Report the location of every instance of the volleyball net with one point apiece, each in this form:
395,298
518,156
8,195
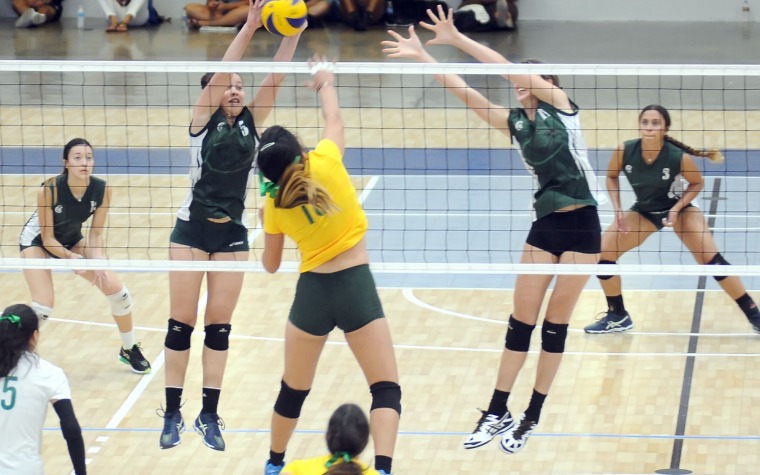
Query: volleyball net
443,191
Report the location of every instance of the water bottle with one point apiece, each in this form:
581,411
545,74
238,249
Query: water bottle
80,17
183,20
745,19
389,16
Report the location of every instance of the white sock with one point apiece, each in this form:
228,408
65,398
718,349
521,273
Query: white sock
128,339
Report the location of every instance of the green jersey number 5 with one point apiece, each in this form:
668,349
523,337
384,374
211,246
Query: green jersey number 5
8,398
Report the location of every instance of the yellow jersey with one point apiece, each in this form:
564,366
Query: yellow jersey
316,466
320,237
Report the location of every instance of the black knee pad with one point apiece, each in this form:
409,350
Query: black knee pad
718,260
178,336
290,401
518,335
218,336
605,277
553,336
386,394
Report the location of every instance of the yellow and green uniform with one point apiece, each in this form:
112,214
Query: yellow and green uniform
321,237
347,298
316,466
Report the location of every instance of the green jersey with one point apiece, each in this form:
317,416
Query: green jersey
658,185
554,151
221,167
69,212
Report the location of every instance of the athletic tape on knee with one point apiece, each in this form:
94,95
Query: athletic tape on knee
290,401
718,260
605,277
121,302
386,394
178,336
518,335
218,336
43,312
553,336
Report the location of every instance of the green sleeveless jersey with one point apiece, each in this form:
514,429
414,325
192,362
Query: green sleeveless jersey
659,185
554,151
69,213
221,166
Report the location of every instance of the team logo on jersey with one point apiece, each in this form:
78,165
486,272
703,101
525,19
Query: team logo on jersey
59,209
628,169
93,206
519,125
220,126
243,129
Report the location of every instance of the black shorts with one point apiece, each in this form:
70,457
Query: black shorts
569,231
656,217
37,242
210,237
347,299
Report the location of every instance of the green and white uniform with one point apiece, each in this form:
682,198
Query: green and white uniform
554,151
69,213
221,166
659,185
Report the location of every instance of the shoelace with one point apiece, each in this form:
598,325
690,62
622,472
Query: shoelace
525,426
161,412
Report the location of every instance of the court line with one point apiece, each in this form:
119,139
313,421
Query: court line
408,293
127,405
688,372
198,334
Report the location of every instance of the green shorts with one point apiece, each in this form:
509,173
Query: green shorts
347,299
656,217
210,237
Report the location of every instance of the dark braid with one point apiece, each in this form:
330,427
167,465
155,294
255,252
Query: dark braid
712,154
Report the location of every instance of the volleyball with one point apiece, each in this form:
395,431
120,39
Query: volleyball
284,17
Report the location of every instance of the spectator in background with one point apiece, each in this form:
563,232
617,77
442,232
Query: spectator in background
216,13
36,12
359,14
123,13
485,15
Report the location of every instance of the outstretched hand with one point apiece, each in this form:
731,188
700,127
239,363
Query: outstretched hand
409,48
254,13
321,72
442,24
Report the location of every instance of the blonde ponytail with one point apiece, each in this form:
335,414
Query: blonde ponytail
297,189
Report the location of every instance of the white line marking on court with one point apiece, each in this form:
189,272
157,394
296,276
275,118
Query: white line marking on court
93,450
145,380
464,349
408,293
101,439
368,188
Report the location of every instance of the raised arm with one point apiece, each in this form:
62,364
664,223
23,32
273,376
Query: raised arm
263,101
211,95
442,24
411,48
323,83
